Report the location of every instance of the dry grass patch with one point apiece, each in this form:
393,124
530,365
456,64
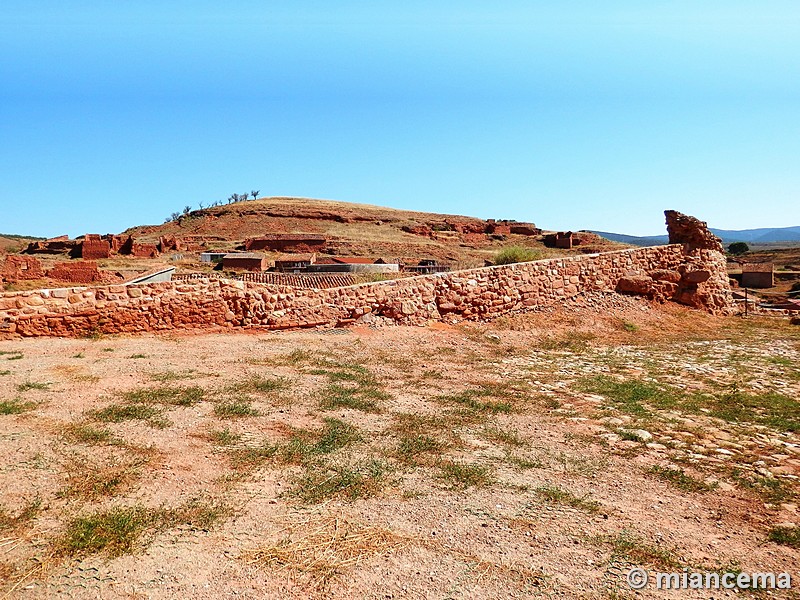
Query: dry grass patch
14,521
257,384
89,479
321,549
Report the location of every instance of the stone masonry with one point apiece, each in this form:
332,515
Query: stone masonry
482,293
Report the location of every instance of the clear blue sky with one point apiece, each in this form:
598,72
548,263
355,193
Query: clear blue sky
570,114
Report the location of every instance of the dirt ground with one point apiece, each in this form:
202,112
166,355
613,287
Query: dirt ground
542,455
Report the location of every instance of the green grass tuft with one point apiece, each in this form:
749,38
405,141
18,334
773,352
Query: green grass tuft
679,479
630,547
321,481
258,384
172,396
86,434
168,376
32,385
119,530
117,413
472,402
224,437
15,407
459,475
557,495
414,449
235,408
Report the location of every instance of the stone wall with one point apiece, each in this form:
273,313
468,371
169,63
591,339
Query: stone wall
482,293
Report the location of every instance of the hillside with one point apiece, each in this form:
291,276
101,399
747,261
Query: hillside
14,243
761,236
351,229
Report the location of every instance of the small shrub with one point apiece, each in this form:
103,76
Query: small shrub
516,254
630,327
737,248
786,536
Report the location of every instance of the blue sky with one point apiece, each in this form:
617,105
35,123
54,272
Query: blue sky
573,115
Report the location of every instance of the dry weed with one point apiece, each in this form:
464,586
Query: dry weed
321,548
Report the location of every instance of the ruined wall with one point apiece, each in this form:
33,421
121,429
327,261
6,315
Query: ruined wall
20,268
81,271
94,247
471,294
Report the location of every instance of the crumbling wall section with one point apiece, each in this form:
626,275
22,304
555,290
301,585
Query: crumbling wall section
21,268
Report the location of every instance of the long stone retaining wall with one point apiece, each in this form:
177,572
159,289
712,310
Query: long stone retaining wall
689,275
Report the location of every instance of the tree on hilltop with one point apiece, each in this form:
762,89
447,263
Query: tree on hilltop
254,193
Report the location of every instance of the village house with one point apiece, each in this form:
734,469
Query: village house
244,261
758,275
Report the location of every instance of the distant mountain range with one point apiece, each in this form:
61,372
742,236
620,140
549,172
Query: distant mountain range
767,235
